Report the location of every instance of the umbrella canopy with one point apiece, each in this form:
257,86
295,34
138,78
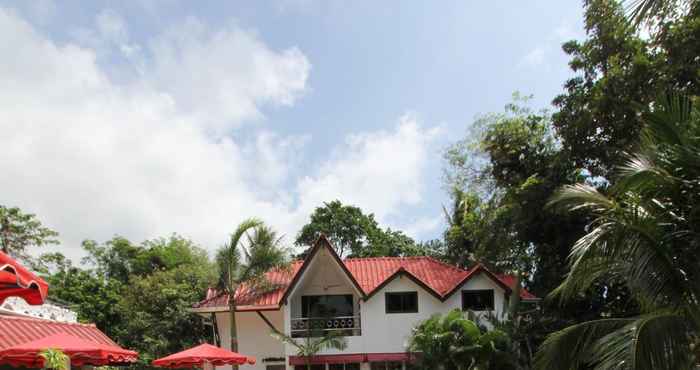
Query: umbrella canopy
203,353
17,281
80,351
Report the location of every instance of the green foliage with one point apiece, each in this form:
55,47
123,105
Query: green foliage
54,359
138,294
157,320
646,233
19,230
503,174
451,341
355,234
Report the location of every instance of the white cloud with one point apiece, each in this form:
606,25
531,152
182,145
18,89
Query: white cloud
204,71
534,57
423,226
156,154
379,171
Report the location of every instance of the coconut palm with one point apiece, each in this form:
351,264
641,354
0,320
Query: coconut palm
252,250
641,11
645,231
54,359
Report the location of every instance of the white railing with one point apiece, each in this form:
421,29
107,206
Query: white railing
317,326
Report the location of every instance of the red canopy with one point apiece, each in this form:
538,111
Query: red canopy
15,280
80,351
203,353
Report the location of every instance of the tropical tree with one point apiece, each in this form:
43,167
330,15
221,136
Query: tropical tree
54,359
356,234
645,232
312,343
452,341
253,250
19,230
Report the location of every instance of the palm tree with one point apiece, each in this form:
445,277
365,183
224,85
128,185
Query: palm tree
646,232
455,342
55,359
312,343
641,11
246,261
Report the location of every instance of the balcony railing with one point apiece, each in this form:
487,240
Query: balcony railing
317,326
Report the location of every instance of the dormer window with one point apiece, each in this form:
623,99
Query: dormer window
478,300
401,302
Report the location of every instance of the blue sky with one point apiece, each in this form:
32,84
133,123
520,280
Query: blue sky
146,118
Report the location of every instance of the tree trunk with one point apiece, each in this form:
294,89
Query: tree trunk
233,329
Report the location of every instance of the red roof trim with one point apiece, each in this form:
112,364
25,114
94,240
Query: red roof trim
403,271
321,242
329,359
473,272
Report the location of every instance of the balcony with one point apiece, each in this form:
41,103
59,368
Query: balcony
317,326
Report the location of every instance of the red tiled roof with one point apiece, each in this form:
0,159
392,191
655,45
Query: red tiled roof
370,273
19,330
510,281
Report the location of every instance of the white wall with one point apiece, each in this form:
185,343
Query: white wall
253,336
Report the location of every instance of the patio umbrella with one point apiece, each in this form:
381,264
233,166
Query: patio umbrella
17,281
80,351
201,355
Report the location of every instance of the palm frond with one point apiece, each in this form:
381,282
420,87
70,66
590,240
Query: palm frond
570,348
657,341
571,198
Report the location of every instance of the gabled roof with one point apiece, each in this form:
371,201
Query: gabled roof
18,330
369,275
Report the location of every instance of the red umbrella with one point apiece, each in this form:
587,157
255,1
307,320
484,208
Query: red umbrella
203,354
80,351
15,280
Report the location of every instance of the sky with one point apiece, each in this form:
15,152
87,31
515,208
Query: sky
147,118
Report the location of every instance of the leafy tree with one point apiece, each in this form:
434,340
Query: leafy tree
156,311
141,298
451,341
19,230
356,234
503,174
346,227
240,263
94,298
646,232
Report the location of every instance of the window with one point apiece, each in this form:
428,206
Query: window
477,300
401,302
321,306
275,367
393,365
352,366
313,367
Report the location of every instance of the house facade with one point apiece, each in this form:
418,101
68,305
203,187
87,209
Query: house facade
373,302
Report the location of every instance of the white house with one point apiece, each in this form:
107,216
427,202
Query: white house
374,302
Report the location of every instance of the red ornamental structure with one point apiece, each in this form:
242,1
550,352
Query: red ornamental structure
80,351
201,355
17,281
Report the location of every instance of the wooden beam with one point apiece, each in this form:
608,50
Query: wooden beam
264,318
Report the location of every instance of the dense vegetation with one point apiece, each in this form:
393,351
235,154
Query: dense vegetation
593,202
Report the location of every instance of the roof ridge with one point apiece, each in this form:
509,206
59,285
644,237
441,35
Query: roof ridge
435,260
24,318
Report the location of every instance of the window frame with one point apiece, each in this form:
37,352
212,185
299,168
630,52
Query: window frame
400,294
305,308
479,291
